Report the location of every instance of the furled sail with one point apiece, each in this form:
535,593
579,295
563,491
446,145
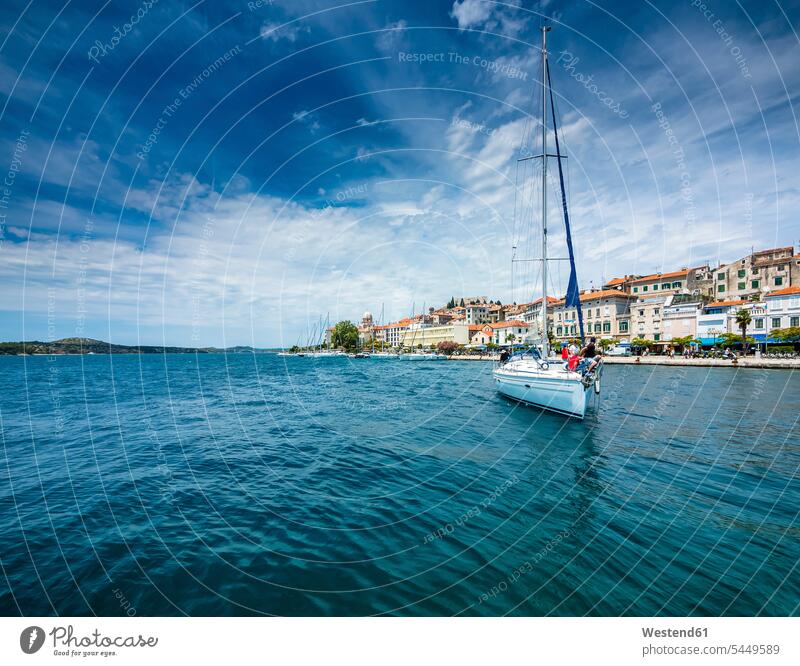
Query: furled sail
573,296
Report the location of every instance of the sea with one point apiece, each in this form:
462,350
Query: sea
250,484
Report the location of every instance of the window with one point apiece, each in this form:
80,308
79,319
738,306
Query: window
755,270
665,285
657,337
759,323
572,329
676,285
597,312
636,290
776,322
644,288
589,313
641,313
606,327
720,276
656,311
754,284
794,321
623,327
781,267
559,330
721,287
778,280
741,272
741,285
597,327
655,287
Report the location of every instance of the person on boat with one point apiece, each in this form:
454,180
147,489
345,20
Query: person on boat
573,363
590,357
504,356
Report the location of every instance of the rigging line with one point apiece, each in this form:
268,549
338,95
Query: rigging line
573,293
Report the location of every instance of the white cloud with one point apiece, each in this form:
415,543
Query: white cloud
307,118
278,31
471,13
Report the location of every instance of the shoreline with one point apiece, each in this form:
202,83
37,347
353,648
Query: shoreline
749,362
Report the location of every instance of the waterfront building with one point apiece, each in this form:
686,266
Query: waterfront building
394,332
719,317
508,333
646,317
427,336
480,334
757,274
604,316
782,308
680,316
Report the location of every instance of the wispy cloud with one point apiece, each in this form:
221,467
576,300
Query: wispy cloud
282,31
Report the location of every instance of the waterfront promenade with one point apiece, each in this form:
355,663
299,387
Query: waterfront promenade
748,362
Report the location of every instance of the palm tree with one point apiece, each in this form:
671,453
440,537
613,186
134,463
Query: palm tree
743,320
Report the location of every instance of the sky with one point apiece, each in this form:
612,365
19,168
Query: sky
223,173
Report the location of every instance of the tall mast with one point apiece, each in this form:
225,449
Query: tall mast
545,341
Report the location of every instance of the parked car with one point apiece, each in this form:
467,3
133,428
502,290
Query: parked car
619,350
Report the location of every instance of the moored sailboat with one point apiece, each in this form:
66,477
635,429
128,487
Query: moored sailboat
532,377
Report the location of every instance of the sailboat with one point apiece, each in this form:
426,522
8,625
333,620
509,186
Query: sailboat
382,354
320,352
533,377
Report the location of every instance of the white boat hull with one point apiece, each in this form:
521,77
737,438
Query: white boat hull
555,390
423,357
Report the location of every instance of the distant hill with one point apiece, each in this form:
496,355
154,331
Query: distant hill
88,345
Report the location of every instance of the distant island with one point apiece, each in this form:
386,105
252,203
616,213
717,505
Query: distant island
90,346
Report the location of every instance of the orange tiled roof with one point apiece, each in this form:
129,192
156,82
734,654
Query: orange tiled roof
615,281
509,324
786,291
790,248
661,276
722,304
604,293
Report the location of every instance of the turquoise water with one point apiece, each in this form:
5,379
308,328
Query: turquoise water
164,485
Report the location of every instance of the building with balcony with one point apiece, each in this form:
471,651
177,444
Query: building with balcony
680,316
604,316
782,309
647,314
719,317
428,336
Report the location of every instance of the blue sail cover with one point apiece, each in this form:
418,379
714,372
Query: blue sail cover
573,295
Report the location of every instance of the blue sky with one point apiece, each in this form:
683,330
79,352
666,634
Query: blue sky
226,173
